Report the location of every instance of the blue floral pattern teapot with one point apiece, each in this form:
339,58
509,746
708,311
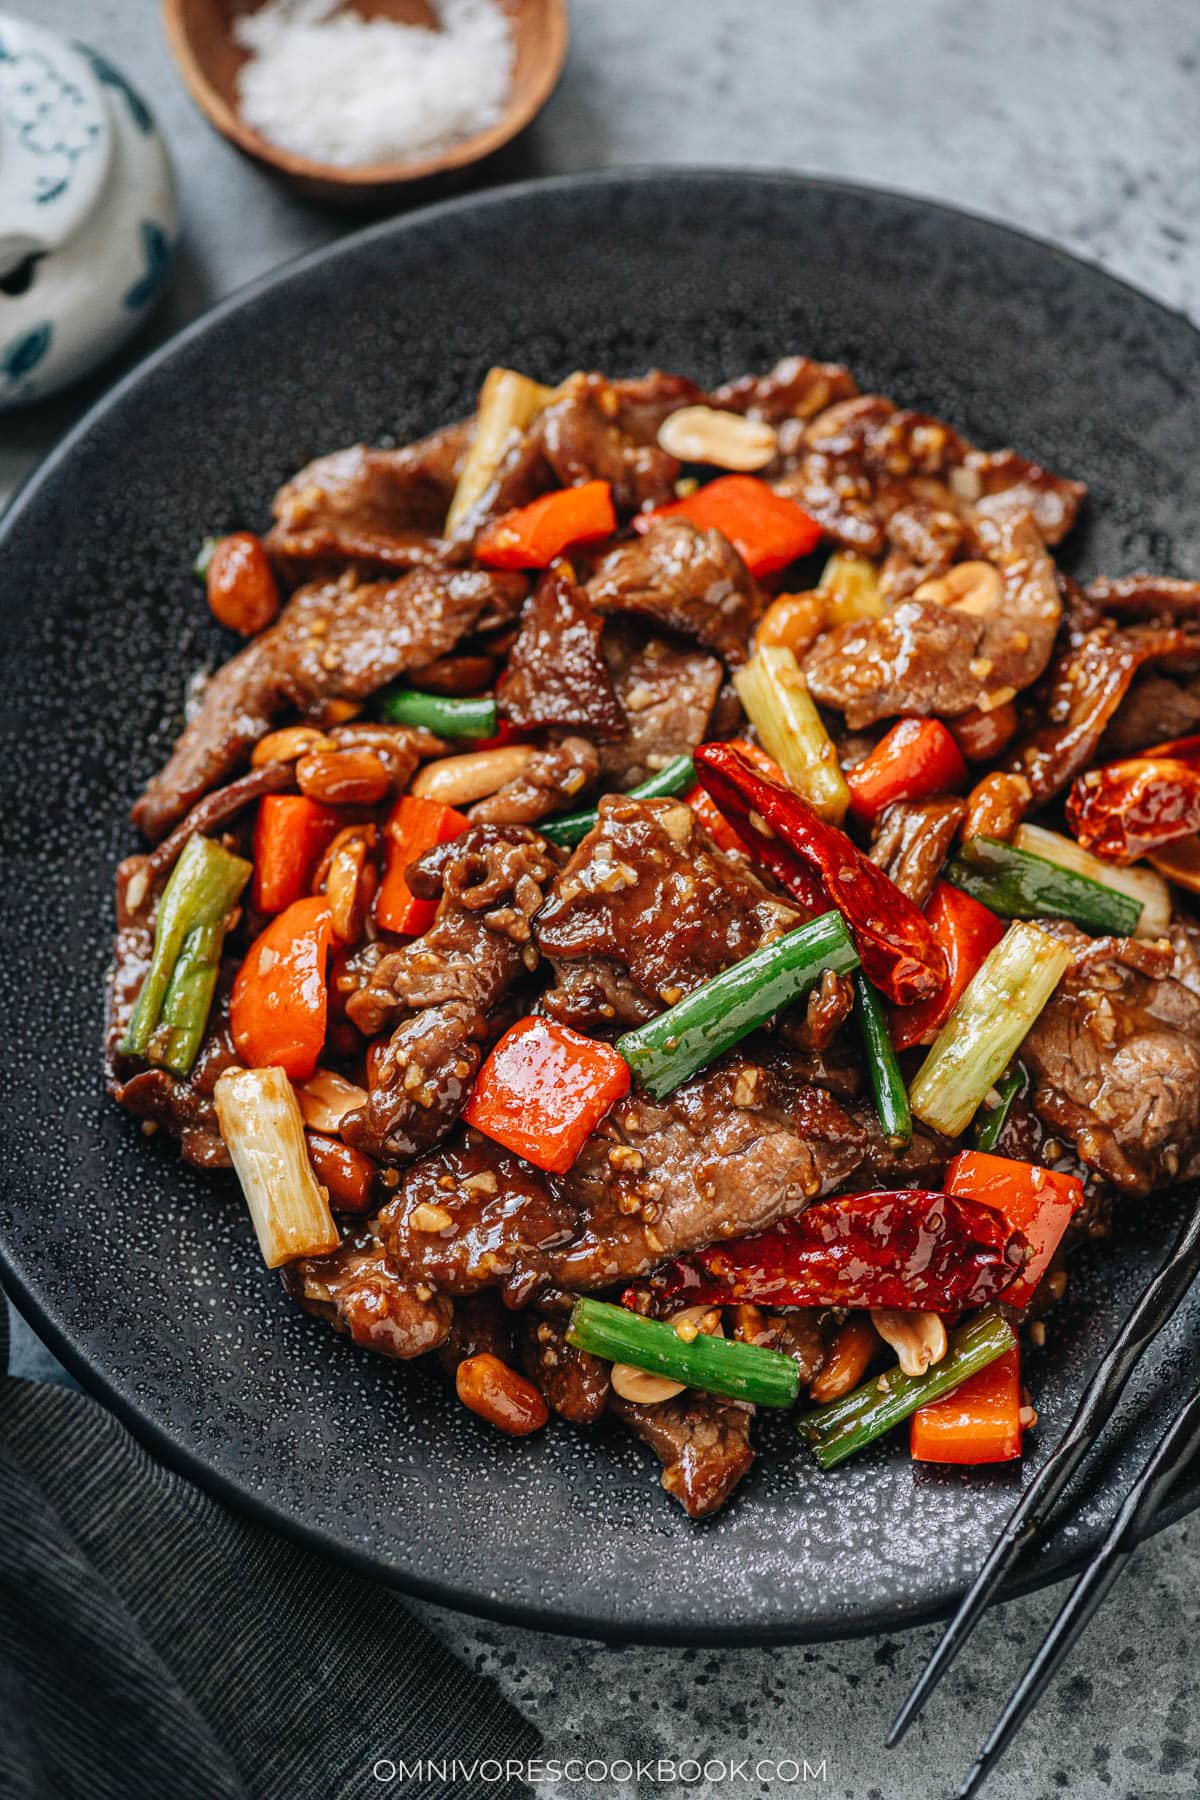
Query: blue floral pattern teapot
87,211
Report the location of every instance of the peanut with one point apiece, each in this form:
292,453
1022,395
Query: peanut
726,440
348,877
854,1344
454,675
325,1099
457,780
981,735
487,1386
288,744
996,805
970,587
343,777
241,585
918,1338
793,622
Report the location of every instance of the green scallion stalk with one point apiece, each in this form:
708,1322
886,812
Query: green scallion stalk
883,1069
848,1425
1018,885
666,1050
447,715
987,1027
168,1020
716,1365
677,777
990,1120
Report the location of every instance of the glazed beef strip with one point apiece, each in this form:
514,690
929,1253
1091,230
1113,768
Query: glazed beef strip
575,1384
556,673
1115,1057
358,1291
667,693
703,1444
729,1152
1154,710
482,1325
383,507
937,659
690,581
912,840
796,388
647,892
585,435
438,993
1142,596
337,639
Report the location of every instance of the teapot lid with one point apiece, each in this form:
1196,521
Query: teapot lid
56,140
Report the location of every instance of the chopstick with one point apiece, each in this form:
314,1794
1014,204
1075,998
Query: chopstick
1028,1518
1171,1456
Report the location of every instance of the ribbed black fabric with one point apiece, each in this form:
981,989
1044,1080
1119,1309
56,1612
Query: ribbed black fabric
151,1643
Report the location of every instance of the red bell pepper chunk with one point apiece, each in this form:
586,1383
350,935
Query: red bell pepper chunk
280,998
709,813
767,530
1037,1202
820,867
414,826
916,759
291,835
978,1422
908,1249
967,932
533,535
543,1090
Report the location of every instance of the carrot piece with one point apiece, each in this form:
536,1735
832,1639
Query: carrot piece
533,535
916,759
1035,1201
280,997
709,813
291,835
414,826
977,1422
544,1089
966,931
767,530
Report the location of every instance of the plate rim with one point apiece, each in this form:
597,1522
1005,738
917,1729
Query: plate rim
154,1437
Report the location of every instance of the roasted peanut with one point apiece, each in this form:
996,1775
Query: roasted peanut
970,587
854,1344
995,806
793,622
498,1394
457,780
981,735
343,777
286,745
918,1338
325,1099
348,1174
241,585
724,439
348,877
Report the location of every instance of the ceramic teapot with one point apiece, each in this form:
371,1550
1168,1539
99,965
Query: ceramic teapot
87,211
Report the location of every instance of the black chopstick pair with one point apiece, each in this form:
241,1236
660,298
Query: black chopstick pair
1156,1305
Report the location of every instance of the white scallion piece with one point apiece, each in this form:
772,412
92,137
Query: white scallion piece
772,688
263,1130
987,1027
508,402
850,587
1141,884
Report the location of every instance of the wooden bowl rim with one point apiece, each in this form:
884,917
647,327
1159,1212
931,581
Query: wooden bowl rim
366,175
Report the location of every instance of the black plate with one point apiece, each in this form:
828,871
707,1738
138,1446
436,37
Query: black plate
142,1274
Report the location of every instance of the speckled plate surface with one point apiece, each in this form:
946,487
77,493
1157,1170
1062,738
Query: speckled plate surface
143,1274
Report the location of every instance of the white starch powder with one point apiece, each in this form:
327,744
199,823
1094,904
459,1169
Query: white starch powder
326,84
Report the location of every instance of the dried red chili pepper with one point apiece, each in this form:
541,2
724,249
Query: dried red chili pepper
819,867
1129,807
913,1249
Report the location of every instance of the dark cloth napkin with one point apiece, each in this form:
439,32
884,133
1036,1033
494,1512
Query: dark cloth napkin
151,1643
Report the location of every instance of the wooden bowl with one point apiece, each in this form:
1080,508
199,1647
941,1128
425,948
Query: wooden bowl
200,35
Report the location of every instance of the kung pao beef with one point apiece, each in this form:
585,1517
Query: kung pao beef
680,907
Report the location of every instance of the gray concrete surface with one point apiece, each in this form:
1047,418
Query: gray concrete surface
1078,122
